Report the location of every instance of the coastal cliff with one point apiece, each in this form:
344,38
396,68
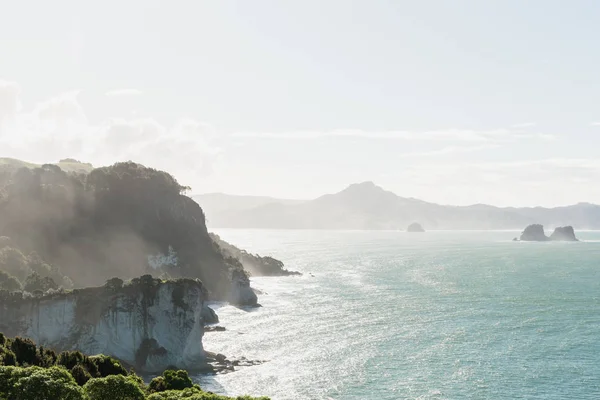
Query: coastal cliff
147,323
125,220
253,263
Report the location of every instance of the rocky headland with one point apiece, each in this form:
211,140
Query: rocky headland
253,263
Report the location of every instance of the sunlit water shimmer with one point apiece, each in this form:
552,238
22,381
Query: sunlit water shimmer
437,315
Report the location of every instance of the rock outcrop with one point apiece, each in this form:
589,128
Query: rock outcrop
565,233
253,263
535,233
148,323
415,227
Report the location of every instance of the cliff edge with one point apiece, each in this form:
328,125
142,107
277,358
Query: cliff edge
147,323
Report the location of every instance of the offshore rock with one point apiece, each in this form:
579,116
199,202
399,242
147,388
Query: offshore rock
415,227
148,323
209,315
564,233
534,233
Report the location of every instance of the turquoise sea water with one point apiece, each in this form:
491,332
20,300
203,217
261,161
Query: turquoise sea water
439,315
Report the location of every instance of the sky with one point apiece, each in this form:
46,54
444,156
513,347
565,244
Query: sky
457,102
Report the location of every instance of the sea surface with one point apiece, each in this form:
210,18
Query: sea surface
435,315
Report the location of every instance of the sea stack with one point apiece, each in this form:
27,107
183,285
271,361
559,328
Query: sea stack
535,233
564,233
415,227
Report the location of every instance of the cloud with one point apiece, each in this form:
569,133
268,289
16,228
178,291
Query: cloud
59,128
450,135
449,150
594,123
9,100
124,92
524,125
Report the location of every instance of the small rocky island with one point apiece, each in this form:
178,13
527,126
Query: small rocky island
415,227
535,233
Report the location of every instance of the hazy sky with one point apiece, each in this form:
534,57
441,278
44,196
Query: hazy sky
455,102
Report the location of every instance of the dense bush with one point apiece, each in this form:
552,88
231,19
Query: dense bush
115,387
109,222
29,372
9,282
38,383
171,380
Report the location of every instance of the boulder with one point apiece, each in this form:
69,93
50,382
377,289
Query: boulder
415,227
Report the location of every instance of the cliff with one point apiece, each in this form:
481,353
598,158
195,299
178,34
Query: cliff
148,323
112,221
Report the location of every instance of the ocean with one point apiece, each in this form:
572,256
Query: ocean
435,315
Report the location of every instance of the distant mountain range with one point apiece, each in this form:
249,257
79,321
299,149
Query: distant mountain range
368,206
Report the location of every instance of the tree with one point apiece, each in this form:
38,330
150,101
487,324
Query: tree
114,387
45,383
13,262
36,282
9,282
171,380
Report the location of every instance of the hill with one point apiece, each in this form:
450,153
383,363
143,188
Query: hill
125,220
368,206
67,165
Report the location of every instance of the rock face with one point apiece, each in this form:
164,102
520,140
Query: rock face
536,233
565,233
415,227
147,323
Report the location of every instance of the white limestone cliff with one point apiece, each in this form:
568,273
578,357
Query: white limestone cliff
148,323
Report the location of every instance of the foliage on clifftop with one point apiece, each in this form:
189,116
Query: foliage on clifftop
30,372
253,263
92,226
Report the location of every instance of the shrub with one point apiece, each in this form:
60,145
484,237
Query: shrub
45,383
107,365
114,387
171,380
80,374
9,282
25,351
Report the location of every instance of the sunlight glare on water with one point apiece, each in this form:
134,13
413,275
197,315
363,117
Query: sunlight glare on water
439,315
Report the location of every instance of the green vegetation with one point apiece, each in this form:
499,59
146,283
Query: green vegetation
29,372
82,227
253,263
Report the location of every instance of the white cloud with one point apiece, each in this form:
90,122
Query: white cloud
58,128
524,125
9,100
594,123
449,150
124,92
449,135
